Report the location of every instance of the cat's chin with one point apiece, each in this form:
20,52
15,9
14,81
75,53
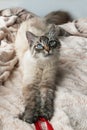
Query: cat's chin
45,56
48,55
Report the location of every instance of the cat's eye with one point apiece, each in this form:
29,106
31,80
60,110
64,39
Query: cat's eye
39,47
53,43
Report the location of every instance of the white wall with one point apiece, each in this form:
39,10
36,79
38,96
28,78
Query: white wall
41,7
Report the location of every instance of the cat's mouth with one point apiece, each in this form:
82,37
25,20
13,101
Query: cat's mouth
49,54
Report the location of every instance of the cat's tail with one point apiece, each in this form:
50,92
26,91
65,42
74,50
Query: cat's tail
58,17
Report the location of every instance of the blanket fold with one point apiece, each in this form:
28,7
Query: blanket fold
10,20
71,97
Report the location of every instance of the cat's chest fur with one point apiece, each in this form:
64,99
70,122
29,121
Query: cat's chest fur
33,69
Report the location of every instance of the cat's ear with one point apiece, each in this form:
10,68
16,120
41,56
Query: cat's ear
30,37
52,29
53,32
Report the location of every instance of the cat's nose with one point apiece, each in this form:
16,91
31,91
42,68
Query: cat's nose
47,48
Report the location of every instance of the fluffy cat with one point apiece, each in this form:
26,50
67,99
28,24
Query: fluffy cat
38,59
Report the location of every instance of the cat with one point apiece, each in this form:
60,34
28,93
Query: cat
38,59
58,17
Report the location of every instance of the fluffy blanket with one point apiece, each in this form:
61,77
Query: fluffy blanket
71,97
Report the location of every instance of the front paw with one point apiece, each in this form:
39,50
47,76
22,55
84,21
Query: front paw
29,117
47,113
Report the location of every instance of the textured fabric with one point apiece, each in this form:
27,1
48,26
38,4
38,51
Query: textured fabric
71,95
10,20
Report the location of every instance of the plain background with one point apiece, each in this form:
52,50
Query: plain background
78,8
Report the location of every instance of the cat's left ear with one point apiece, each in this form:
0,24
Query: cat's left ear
30,37
52,28
53,32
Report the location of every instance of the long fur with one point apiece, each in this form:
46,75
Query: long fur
58,17
39,75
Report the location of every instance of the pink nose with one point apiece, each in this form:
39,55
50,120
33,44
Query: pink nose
47,48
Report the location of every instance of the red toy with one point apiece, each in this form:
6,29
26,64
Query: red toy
43,124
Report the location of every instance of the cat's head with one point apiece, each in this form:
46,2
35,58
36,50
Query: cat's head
44,46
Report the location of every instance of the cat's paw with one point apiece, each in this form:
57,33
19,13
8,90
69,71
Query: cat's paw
47,113
26,118
29,117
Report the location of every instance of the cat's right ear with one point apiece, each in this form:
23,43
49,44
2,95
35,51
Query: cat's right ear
30,37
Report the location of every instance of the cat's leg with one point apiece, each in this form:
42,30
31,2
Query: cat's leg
32,104
47,90
47,103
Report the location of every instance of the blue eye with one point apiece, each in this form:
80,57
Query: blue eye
39,47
